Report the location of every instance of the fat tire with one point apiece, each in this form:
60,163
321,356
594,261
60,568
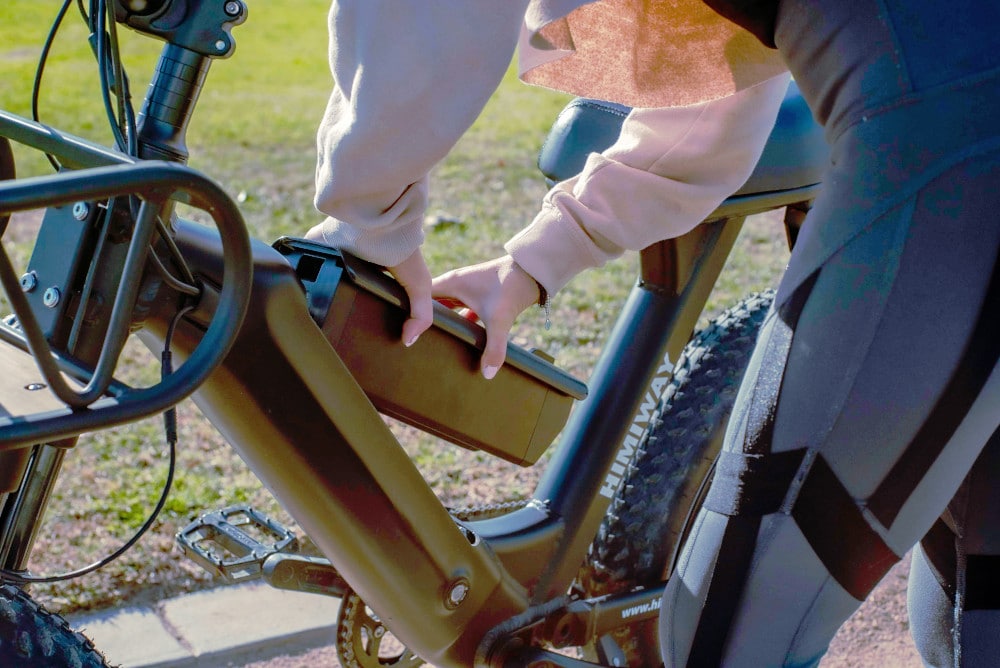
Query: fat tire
662,489
33,637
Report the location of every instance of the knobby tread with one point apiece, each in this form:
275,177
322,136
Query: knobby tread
637,542
33,637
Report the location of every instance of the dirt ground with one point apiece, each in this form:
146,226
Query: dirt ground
878,633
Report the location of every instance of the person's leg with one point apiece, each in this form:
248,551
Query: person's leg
842,451
954,594
874,384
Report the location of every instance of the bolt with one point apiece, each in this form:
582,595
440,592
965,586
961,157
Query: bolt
379,631
81,210
459,590
51,297
220,45
234,8
29,281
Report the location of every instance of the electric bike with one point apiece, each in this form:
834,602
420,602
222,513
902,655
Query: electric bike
291,350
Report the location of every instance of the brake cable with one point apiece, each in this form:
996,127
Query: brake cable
42,59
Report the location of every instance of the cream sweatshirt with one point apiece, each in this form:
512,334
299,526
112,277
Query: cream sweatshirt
410,78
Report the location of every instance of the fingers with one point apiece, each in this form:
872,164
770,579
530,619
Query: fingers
419,321
495,351
497,293
474,291
315,233
413,275
449,289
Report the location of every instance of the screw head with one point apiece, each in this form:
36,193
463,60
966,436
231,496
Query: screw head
81,210
234,8
29,281
51,297
457,593
379,631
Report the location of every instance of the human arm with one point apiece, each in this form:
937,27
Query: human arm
668,170
408,81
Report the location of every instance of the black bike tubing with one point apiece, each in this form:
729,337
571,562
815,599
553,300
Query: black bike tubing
637,362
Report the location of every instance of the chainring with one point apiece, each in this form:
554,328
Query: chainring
364,642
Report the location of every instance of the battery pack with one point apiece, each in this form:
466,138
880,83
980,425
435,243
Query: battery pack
435,385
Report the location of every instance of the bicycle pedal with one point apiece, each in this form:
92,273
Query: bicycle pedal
297,572
233,543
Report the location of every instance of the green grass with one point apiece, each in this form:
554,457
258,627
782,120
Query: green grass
254,134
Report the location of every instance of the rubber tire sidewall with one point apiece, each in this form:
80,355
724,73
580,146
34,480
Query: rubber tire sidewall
33,637
661,492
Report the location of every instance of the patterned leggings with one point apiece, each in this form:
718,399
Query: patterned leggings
860,428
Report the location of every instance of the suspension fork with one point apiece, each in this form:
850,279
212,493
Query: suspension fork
24,508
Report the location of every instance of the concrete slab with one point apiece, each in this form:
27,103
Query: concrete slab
134,637
250,617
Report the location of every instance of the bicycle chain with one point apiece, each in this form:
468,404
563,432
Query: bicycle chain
360,632
486,511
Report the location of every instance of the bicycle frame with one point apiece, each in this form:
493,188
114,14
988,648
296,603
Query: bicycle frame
457,593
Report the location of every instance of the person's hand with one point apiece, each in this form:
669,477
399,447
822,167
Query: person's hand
497,292
413,275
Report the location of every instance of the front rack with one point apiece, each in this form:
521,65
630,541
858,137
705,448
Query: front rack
89,398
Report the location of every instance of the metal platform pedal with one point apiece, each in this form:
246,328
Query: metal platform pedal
239,544
234,542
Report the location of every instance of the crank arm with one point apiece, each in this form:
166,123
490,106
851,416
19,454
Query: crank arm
297,572
591,618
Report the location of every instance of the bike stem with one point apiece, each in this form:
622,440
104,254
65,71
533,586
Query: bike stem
173,93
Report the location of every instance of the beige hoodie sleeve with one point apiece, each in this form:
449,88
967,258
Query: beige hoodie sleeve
409,78
669,169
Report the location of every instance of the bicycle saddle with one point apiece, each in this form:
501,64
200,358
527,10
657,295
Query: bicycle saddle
793,157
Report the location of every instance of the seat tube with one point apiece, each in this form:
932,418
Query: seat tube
676,278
